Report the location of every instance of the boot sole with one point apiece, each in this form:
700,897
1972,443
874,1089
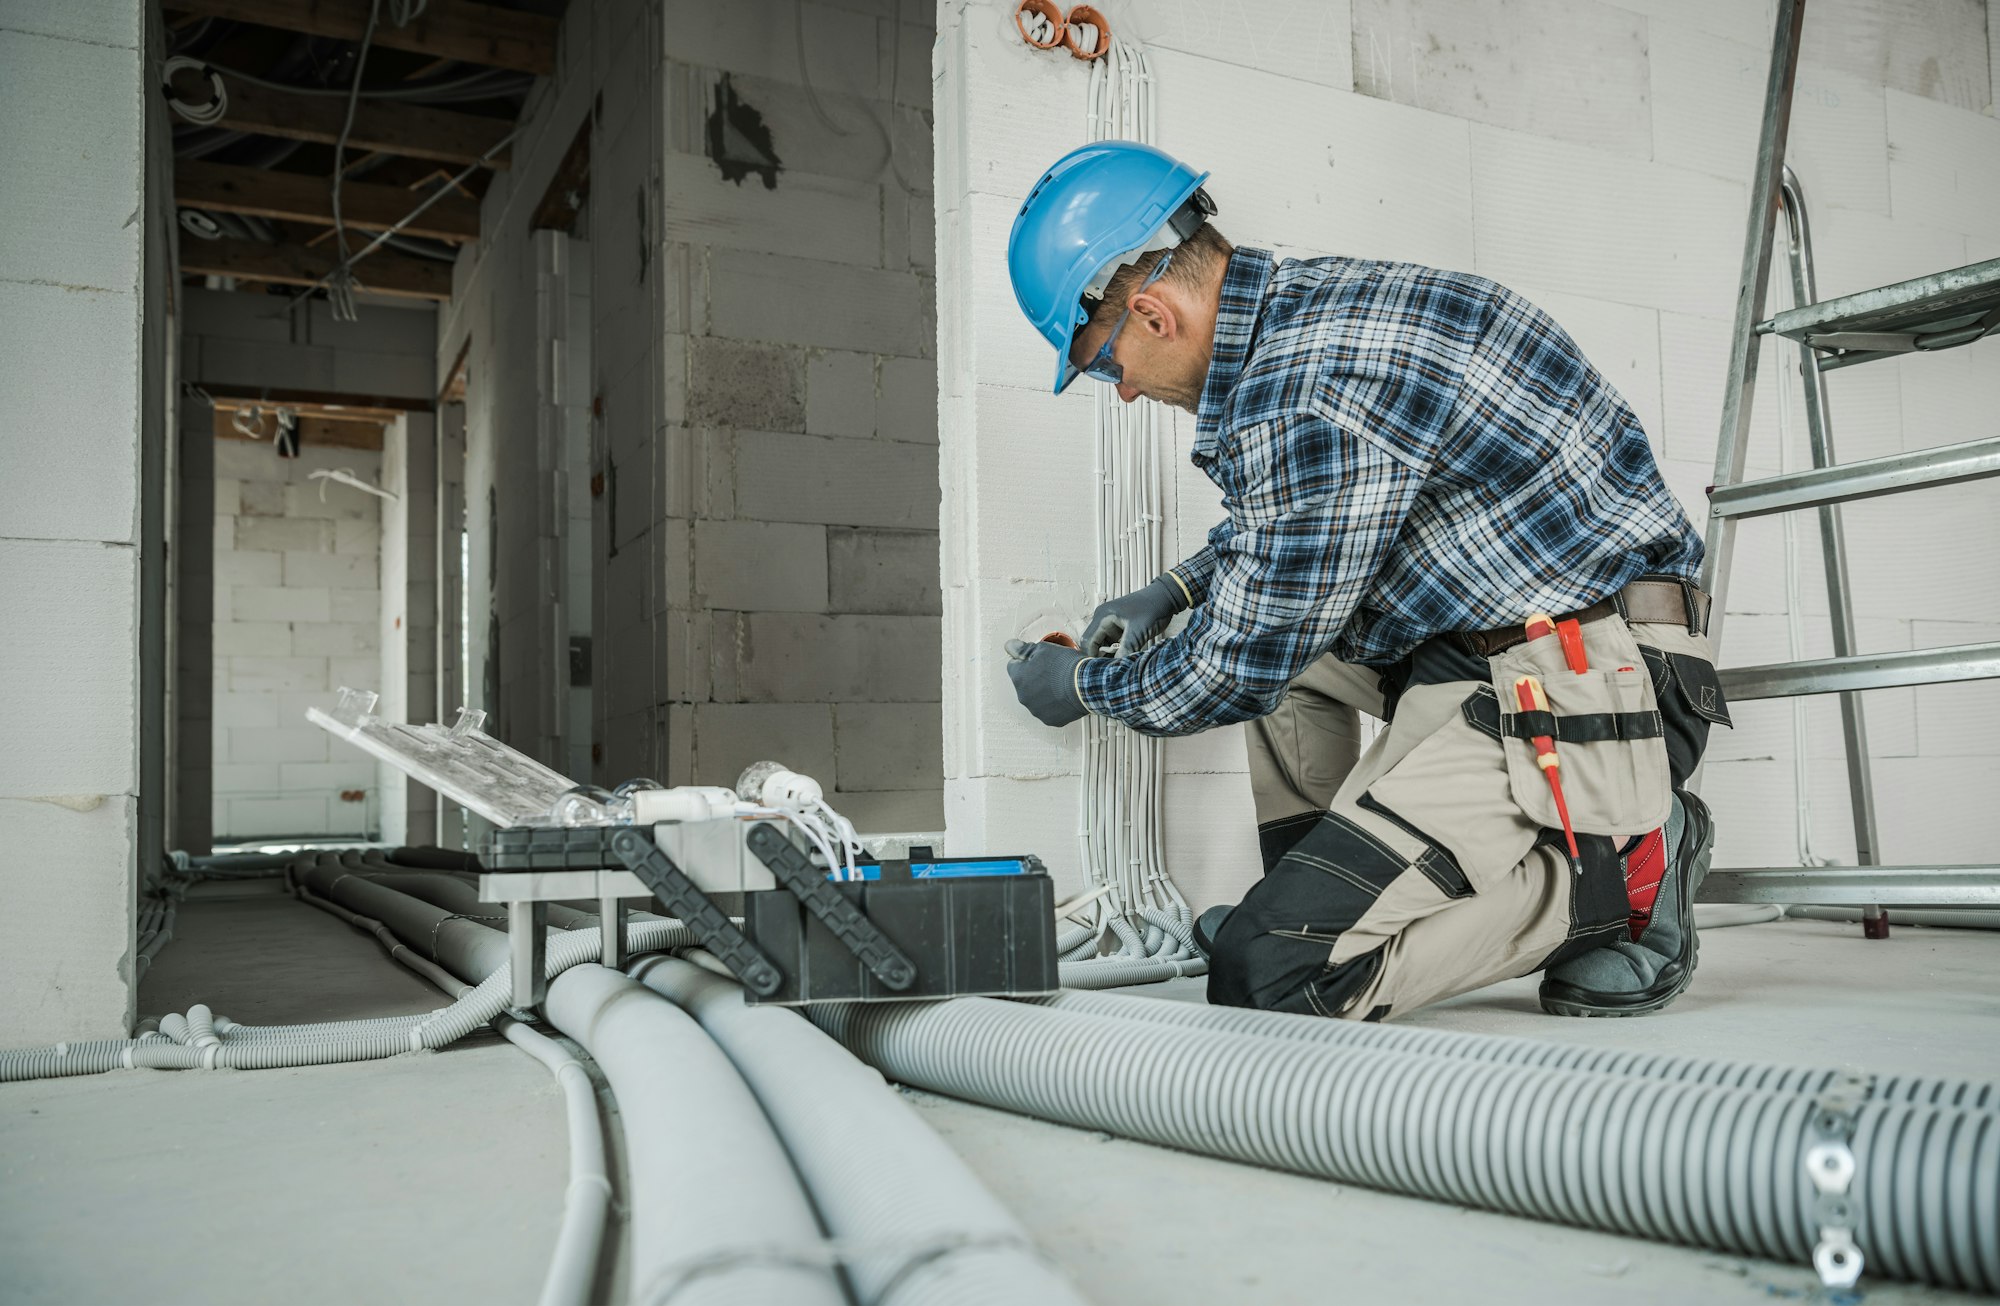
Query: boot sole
1560,999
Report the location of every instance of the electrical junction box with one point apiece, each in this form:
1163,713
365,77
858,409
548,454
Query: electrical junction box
969,927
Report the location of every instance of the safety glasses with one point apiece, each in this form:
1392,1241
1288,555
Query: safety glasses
1102,366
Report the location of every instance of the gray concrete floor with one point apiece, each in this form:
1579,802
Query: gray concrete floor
438,1178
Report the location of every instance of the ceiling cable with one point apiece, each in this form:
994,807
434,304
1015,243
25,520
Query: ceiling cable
340,282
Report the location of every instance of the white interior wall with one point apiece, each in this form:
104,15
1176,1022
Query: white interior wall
762,482
1593,156
73,313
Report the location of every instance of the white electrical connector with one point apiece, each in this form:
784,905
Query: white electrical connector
684,804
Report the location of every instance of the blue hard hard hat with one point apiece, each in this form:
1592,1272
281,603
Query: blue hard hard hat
1096,203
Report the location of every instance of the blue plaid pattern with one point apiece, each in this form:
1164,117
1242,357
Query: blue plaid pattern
1402,452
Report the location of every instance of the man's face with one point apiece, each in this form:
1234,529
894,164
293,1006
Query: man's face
1158,355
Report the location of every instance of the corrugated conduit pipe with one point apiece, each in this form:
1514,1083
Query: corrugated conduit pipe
913,1225
1691,1163
716,1212
1960,1094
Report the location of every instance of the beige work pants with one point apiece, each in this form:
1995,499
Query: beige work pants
1423,865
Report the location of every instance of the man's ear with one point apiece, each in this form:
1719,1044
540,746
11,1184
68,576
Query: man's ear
1155,316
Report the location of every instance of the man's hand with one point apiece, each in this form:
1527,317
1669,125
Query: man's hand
1130,621
1044,677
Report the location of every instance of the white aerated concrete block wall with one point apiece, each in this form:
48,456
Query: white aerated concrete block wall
72,88
1593,155
298,606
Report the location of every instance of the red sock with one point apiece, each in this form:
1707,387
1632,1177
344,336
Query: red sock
1645,867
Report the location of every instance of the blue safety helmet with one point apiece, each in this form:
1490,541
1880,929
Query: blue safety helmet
1096,209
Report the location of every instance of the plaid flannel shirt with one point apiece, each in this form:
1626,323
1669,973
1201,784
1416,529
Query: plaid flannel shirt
1402,452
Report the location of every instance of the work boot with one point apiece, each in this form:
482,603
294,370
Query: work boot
1208,925
1632,977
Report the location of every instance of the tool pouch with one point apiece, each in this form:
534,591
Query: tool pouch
1608,731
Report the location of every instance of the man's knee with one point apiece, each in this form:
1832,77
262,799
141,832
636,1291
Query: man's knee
1252,967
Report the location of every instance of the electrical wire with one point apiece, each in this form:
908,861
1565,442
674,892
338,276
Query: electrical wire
340,282
805,77
486,83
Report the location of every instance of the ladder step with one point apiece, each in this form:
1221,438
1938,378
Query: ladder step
1946,465
1938,311
1924,666
1856,886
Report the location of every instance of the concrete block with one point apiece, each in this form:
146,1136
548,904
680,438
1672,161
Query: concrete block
1694,369
908,404
887,746
1952,400
355,672
1930,48
263,499
72,359
751,566
296,815
248,460
1017,816
401,327
783,657
1312,43
832,217
836,481
840,393
371,372
1340,179
1944,164
920,224
1029,500
271,639
233,567
258,603
68,959
74,153
69,663
1210,837
1921,805
280,364
1859,251
882,571
893,812
1466,59
112,25
333,639
299,743
295,777
342,571
352,606
1218,751
754,36
282,535
801,301
1566,218
242,778
357,536
228,496
261,710
735,384
730,736
275,675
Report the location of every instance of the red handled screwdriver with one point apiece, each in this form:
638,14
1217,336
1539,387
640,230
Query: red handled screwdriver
1528,691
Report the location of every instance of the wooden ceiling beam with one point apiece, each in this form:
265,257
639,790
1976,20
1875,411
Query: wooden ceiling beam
334,405
294,265
343,432
413,130
297,197
449,29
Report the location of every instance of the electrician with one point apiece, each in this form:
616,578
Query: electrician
1413,462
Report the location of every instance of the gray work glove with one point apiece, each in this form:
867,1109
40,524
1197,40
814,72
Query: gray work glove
1044,677
1130,621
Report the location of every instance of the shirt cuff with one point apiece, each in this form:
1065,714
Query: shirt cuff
1092,682
1192,576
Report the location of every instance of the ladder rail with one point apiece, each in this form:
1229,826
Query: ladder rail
1832,537
1744,338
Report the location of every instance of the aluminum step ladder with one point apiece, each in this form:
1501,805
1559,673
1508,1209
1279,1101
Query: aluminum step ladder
1940,311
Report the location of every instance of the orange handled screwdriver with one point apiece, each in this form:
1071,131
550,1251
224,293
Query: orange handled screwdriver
1528,691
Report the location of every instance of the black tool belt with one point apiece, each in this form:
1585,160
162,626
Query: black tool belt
1657,600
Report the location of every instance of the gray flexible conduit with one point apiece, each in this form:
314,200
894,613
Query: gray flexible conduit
917,1228
716,1212
1963,1094
1693,1163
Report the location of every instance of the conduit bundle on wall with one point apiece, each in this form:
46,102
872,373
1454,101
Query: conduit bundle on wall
1688,1162
1141,928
